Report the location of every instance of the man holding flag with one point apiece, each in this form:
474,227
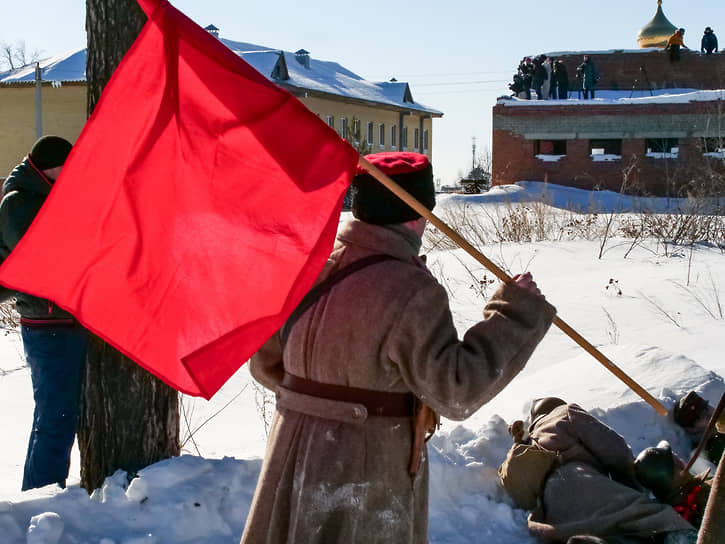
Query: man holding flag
371,344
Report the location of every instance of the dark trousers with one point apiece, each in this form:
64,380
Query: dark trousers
561,92
587,92
56,356
674,52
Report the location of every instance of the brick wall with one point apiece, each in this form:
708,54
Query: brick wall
620,70
519,131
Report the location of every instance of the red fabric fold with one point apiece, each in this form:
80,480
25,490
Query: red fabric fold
194,212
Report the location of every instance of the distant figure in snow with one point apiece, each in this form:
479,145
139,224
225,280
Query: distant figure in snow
708,44
588,76
364,365
675,42
590,494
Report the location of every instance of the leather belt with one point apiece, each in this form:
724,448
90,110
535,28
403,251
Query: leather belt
377,403
59,322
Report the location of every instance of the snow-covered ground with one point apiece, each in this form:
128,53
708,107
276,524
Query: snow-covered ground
657,317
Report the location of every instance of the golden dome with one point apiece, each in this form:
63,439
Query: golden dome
657,31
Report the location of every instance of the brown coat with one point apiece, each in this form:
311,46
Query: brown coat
330,476
592,492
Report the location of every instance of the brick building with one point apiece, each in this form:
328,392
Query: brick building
656,126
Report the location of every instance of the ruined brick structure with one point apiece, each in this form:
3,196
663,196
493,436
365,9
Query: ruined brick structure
627,139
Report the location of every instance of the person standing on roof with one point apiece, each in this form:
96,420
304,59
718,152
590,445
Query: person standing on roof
708,44
588,75
560,81
675,43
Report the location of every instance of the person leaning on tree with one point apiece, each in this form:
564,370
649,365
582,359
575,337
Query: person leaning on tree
364,371
54,343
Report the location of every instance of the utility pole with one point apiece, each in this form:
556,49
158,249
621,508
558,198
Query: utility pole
473,153
38,102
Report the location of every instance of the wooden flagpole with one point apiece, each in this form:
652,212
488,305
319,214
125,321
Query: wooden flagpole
501,275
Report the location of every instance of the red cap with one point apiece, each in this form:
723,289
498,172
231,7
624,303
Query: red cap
394,162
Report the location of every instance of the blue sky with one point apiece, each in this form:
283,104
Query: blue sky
457,55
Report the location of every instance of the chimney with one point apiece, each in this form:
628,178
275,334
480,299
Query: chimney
303,57
214,31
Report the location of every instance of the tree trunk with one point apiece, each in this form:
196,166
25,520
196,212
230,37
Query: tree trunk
129,419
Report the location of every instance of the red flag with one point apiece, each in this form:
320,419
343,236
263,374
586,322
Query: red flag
196,209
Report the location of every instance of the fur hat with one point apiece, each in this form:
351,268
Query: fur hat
689,409
655,469
543,406
374,203
50,152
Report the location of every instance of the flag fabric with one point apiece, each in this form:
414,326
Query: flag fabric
196,209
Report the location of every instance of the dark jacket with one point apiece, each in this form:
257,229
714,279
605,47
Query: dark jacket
588,74
526,71
540,74
560,76
23,194
709,42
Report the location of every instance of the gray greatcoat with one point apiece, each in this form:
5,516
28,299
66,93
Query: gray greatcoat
330,476
593,491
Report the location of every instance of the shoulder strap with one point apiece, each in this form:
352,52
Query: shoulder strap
325,285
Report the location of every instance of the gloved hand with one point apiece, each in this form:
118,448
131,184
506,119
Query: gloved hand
526,281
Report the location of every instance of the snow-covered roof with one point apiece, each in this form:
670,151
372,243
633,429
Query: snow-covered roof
67,67
325,77
282,67
617,98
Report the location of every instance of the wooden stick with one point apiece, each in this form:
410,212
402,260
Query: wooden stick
501,275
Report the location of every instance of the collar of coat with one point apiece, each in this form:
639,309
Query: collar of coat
394,240
25,177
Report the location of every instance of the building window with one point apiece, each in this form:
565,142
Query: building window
713,147
393,136
405,138
331,121
662,148
343,127
381,135
370,133
416,139
605,149
549,148
425,140
356,130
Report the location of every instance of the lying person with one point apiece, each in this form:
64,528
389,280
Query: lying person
591,493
